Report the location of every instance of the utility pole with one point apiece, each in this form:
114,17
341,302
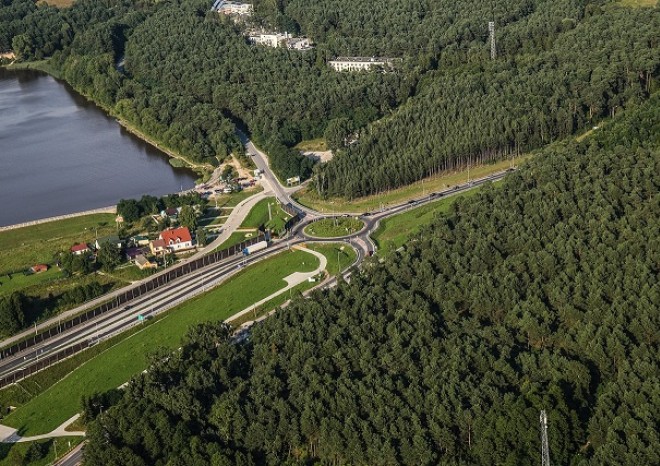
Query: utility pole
493,48
545,448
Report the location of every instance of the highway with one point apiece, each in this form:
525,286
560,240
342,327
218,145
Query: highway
168,296
182,289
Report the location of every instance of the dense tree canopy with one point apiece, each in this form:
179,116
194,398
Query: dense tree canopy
187,77
542,293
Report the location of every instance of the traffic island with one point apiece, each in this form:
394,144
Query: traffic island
334,227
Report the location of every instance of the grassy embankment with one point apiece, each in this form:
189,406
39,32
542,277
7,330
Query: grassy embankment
340,256
117,364
257,216
309,198
21,248
334,227
12,454
394,232
312,145
638,3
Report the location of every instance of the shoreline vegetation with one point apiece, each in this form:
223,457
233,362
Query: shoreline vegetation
202,170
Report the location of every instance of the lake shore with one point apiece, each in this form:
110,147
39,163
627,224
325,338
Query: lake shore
101,210
202,170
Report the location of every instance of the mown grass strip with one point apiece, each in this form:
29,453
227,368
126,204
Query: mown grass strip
119,363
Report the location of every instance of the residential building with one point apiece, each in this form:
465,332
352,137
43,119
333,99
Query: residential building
142,263
79,249
158,246
277,39
38,268
139,240
132,253
233,8
359,63
112,239
177,239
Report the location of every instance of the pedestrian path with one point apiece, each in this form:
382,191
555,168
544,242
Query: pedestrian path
292,281
10,435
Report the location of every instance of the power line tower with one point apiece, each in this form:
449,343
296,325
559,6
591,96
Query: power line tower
493,48
545,448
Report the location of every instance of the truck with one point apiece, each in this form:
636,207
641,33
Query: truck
255,247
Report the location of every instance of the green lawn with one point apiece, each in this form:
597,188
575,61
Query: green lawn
19,281
394,232
233,199
332,228
332,251
14,454
638,3
310,198
129,357
313,145
21,248
235,238
259,215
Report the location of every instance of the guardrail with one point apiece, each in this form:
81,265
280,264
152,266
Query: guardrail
129,295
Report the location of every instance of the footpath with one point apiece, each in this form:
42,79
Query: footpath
10,435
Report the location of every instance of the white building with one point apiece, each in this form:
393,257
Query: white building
277,39
359,63
233,8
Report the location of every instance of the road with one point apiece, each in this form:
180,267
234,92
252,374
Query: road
197,282
168,296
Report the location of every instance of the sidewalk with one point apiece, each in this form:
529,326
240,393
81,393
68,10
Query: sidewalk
292,281
10,435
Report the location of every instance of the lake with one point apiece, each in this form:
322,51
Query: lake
60,154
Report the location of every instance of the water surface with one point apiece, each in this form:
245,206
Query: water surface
61,154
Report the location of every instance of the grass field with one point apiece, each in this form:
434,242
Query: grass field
394,232
14,454
58,3
310,199
258,215
638,3
235,238
333,252
233,199
21,248
312,145
20,281
332,228
130,356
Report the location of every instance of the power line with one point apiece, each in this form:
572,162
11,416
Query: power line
545,448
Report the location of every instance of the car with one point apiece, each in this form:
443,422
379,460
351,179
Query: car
366,214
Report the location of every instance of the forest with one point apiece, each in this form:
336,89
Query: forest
540,293
187,77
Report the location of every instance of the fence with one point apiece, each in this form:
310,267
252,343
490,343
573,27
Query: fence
127,296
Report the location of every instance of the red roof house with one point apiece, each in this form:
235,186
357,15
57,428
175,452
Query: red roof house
39,268
177,239
79,249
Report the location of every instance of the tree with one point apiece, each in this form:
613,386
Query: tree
12,313
200,235
108,256
129,209
188,217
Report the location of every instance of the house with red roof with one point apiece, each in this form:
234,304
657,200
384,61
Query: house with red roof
80,249
38,268
175,239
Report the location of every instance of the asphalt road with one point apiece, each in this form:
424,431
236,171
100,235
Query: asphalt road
182,289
